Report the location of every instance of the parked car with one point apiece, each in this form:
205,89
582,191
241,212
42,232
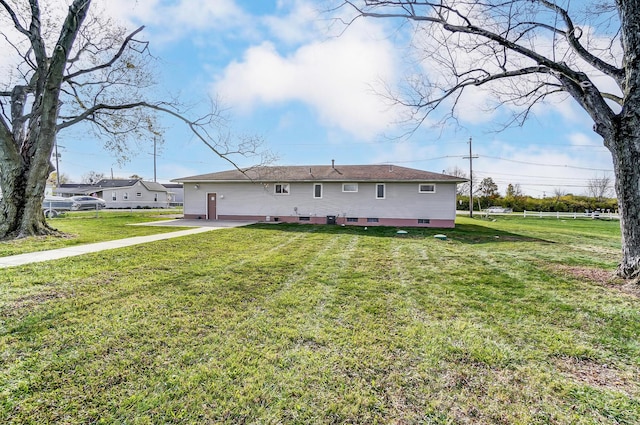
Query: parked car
87,203
53,205
498,210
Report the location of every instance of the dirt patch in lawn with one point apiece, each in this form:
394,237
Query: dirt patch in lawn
601,277
598,375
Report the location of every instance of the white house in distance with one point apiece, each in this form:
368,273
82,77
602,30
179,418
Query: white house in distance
122,193
364,195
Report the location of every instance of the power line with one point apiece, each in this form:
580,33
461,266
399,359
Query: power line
547,165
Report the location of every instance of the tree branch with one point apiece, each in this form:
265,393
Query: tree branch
115,57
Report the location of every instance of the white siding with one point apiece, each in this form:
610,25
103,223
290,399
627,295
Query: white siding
402,200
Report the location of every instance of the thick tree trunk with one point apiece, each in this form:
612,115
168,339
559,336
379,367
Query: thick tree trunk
625,150
21,205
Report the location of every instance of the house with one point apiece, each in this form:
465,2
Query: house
364,195
176,193
122,193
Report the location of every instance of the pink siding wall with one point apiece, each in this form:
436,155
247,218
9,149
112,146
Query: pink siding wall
362,221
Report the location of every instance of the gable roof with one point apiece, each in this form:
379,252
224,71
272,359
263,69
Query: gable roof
106,183
328,173
153,186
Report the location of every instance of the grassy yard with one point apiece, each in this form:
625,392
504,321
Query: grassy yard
510,321
88,227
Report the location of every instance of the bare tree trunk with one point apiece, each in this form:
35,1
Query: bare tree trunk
21,205
625,152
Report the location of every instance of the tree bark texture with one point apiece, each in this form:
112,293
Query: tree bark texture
27,141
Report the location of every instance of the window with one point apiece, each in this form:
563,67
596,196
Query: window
427,188
372,220
155,197
423,221
304,218
380,191
138,194
352,219
113,196
317,190
349,187
282,188
125,196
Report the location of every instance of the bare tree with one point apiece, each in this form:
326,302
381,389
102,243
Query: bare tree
524,52
92,177
514,191
599,187
77,70
461,188
559,192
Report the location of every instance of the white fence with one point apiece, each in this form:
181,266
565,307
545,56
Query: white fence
574,215
540,214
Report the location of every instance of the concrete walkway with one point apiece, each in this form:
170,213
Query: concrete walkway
72,251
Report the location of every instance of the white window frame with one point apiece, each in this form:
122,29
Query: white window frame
384,191
125,196
113,196
138,194
315,185
282,188
345,186
426,191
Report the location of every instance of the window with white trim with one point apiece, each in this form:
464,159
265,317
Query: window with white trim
125,196
138,194
349,187
113,196
281,188
427,188
317,190
380,191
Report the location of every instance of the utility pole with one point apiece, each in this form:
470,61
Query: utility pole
154,159
471,156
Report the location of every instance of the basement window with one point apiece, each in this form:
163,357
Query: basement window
304,218
424,221
352,219
372,220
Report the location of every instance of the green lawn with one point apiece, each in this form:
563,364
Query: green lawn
508,321
88,227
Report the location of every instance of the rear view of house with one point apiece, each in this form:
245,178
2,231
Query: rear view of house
365,195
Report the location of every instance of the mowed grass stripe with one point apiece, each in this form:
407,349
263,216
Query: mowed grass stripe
316,324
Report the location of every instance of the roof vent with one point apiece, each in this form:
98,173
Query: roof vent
333,163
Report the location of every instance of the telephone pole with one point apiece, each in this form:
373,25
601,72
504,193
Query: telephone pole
470,157
154,158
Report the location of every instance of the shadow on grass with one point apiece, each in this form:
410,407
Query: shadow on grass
463,233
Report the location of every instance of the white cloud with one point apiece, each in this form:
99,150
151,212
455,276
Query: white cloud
301,21
336,77
180,17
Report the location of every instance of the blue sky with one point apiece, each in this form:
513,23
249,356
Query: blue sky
285,74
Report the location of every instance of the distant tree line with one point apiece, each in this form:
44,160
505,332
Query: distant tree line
486,194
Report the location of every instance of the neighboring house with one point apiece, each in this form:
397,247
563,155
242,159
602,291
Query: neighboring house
122,193
176,193
364,195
